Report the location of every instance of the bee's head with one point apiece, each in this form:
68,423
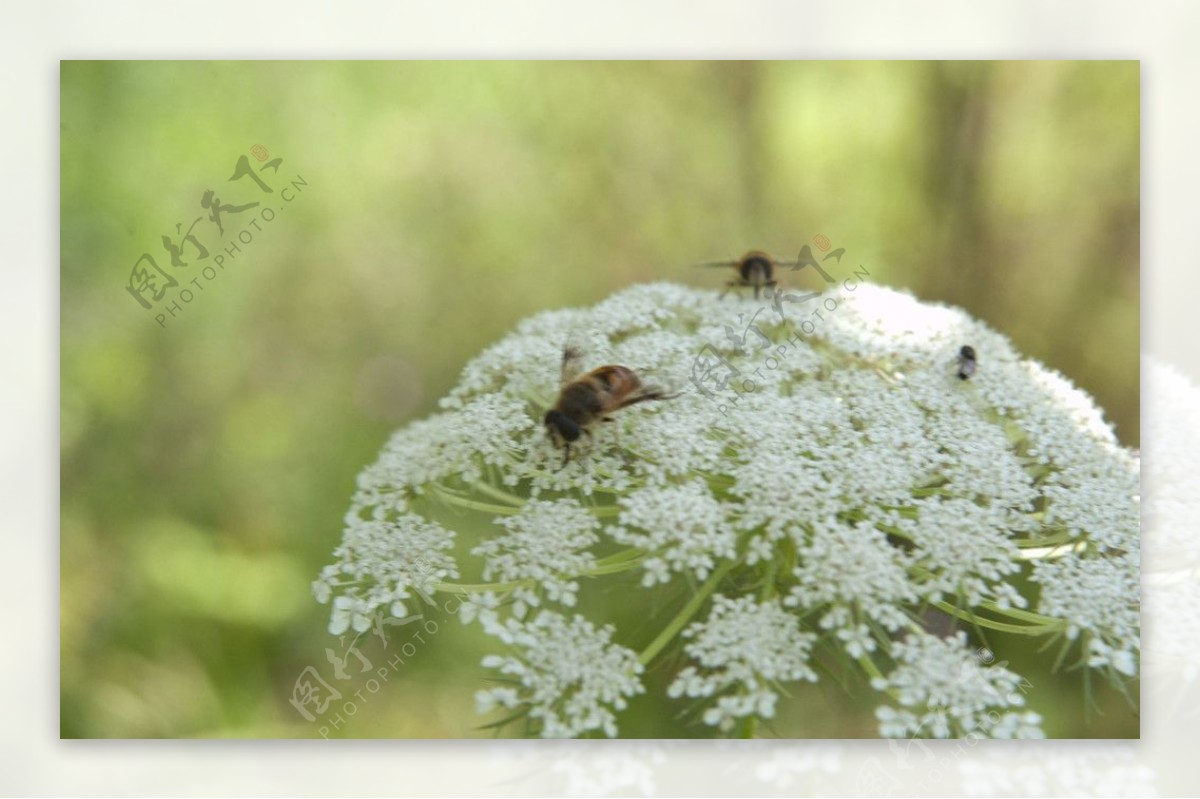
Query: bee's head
560,426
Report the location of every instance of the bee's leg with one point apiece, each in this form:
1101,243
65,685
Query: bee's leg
566,455
616,430
591,439
648,393
571,359
728,285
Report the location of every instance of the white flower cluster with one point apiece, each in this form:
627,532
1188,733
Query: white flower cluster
967,549
853,570
1099,597
380,563
743,650
683,526
572,676
546,543
945,691
840,465
458,445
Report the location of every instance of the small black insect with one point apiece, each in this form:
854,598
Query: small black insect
966,362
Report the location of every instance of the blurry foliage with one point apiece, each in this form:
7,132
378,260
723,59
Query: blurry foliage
206,465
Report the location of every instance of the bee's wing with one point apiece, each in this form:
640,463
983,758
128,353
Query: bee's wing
654,386
805,258
647,393
725,264
572,363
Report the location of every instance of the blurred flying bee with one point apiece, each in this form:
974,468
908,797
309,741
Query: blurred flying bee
756,268
592,397
966,362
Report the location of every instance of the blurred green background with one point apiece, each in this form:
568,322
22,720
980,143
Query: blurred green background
206,465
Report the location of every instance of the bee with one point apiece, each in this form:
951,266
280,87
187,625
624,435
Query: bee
756,268
966,362
592,397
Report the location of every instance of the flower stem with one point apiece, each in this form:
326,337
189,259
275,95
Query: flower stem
484,487
748,725
615,567
768,589
471,504
873,672
685,614
1025,615
1019,629
620,562
477,588
869,667
633,553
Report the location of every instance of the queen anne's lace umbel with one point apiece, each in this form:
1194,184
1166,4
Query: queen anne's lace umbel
945,690
545,545
742,651
572,676
824,476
